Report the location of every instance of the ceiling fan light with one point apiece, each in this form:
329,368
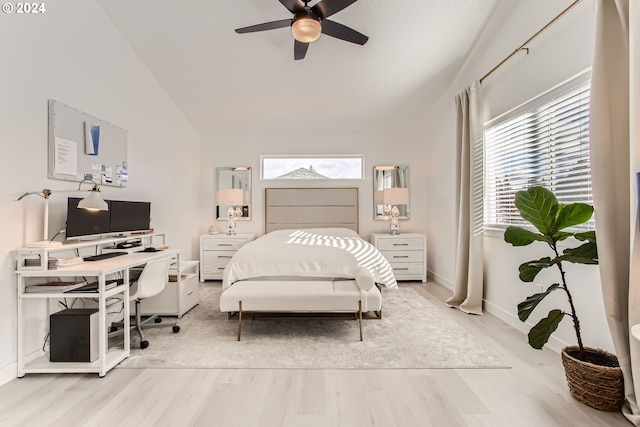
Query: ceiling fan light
306,29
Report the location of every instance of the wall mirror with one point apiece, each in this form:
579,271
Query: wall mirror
390,192
233,193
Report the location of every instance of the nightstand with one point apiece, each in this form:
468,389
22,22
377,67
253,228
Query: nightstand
406,252
216,251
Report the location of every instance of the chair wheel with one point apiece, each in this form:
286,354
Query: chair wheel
176,329
113,328
158,320
144,344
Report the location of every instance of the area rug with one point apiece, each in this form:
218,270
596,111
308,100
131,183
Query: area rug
412,334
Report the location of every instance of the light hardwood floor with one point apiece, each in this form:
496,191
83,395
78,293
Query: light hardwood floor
532,393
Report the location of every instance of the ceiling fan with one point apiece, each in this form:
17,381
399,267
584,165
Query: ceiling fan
308,22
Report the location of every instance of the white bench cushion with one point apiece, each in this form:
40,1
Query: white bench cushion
299,296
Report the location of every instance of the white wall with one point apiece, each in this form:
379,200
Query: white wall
72,53
558,54
378,149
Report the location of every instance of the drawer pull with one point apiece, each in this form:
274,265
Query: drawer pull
400,244
189,293
220,268
225,256
401,256
403,269
225,244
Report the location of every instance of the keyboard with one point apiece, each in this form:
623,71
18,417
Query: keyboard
104,256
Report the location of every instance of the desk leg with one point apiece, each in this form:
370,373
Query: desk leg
102,336
126,321
21,363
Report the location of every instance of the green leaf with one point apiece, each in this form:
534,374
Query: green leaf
530,269
589,236
563,235
573,214
587,253
540,333
526,307
519,236
539,206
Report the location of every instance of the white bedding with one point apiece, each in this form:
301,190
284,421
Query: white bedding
308,253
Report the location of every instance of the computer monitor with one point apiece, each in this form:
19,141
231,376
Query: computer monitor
82,222
129,216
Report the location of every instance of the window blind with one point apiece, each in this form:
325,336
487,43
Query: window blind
546,145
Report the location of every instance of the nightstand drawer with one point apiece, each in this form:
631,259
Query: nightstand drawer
404,256
405,268
222,244
400,244
215,261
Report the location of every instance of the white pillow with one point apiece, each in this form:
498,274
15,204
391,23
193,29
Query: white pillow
364,278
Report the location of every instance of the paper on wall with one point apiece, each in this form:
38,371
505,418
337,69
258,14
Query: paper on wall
66,157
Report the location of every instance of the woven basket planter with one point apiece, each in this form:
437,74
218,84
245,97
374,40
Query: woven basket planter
594,379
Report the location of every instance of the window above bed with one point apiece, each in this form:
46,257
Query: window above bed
312,167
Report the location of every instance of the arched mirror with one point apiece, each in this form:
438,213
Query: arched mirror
390,192
233,193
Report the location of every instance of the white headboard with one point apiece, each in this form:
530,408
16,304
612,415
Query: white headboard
287,208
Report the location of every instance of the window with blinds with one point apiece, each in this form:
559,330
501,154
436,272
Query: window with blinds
542,145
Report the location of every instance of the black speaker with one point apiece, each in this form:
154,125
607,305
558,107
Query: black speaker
74,335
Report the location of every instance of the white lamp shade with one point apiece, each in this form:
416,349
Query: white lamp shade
93,202
396,196
230,197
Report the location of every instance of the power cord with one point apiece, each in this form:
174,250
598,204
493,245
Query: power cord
46,341
64,230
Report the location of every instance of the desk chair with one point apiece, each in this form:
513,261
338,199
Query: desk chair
151,282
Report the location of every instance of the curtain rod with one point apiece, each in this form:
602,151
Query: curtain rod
522,46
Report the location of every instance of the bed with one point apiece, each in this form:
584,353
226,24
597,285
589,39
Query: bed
311,260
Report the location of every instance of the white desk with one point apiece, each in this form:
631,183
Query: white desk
107,358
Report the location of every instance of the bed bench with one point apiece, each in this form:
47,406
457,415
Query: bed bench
319,296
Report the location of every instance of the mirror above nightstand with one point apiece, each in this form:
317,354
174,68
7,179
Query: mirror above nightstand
233,184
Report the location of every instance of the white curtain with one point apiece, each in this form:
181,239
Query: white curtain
469,284
615,147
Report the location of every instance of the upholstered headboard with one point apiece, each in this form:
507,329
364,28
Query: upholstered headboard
287,208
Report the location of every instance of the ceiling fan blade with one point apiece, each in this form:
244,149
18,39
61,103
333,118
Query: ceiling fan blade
326,8
300,50
293,5
266,26
343,32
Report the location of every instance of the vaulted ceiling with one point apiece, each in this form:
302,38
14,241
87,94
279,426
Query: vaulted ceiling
226,82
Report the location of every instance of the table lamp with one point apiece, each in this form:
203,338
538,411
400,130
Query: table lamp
392,197
233,198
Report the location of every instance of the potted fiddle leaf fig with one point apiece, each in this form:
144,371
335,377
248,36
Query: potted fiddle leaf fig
593,375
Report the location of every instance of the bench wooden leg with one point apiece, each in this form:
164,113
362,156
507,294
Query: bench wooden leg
360,316
239,318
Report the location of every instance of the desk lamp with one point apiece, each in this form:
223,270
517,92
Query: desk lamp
92,202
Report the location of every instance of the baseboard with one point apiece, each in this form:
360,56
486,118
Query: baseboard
512,320
440,279
8,372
